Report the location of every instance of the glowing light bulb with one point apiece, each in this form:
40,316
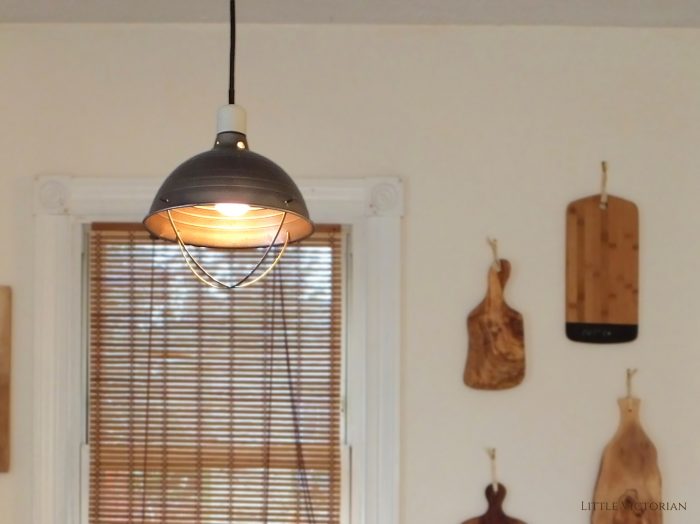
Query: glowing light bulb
232,210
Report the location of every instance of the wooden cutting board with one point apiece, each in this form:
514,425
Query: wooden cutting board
496,354
602,270
629,477
495,514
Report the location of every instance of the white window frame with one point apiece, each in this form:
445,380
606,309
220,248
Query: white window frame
63,205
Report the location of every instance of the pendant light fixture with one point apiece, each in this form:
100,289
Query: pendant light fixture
229,197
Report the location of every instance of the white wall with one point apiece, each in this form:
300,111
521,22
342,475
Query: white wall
494,130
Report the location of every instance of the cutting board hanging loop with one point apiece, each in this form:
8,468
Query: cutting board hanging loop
604,186
630,375
495,495
491,452
494,249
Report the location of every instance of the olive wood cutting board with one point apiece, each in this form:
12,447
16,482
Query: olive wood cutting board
629,479
494,514
496,354
602,270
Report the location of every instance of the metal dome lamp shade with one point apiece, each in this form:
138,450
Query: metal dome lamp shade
229,197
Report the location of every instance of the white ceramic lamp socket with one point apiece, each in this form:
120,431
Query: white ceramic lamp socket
231,118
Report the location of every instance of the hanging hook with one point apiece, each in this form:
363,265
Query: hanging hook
630,374
494,248
491,452
604,185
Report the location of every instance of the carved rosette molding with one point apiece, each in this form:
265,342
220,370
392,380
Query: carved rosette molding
51,195
385,197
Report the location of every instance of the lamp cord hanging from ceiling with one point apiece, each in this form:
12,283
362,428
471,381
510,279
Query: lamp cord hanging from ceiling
232,57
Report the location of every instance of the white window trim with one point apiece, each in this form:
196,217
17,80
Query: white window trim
64,204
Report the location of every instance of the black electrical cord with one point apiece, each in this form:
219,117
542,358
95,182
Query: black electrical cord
294,401
232,57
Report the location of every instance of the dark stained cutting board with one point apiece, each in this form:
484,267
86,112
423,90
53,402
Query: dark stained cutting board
629,481
496,355
602,270
495,514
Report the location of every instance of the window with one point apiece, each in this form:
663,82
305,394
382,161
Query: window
369,208
207,406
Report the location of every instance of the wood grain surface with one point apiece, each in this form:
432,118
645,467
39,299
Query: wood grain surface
602,270
496,354
5,341
494,514
629,480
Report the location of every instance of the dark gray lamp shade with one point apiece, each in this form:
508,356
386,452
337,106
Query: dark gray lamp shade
197,191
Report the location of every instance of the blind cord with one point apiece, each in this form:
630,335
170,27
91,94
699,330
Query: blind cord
293,398
149,364
294,401
269,323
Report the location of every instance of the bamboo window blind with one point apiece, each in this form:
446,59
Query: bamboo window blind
191,418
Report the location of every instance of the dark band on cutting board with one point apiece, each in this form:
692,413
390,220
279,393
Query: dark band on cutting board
601,333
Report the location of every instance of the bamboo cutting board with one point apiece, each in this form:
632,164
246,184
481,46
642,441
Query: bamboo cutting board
602,270
496,354
629,481
495,513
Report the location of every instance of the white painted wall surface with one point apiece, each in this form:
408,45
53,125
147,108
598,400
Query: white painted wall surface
493,130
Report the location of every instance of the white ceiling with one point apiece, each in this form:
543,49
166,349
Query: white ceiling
673,13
